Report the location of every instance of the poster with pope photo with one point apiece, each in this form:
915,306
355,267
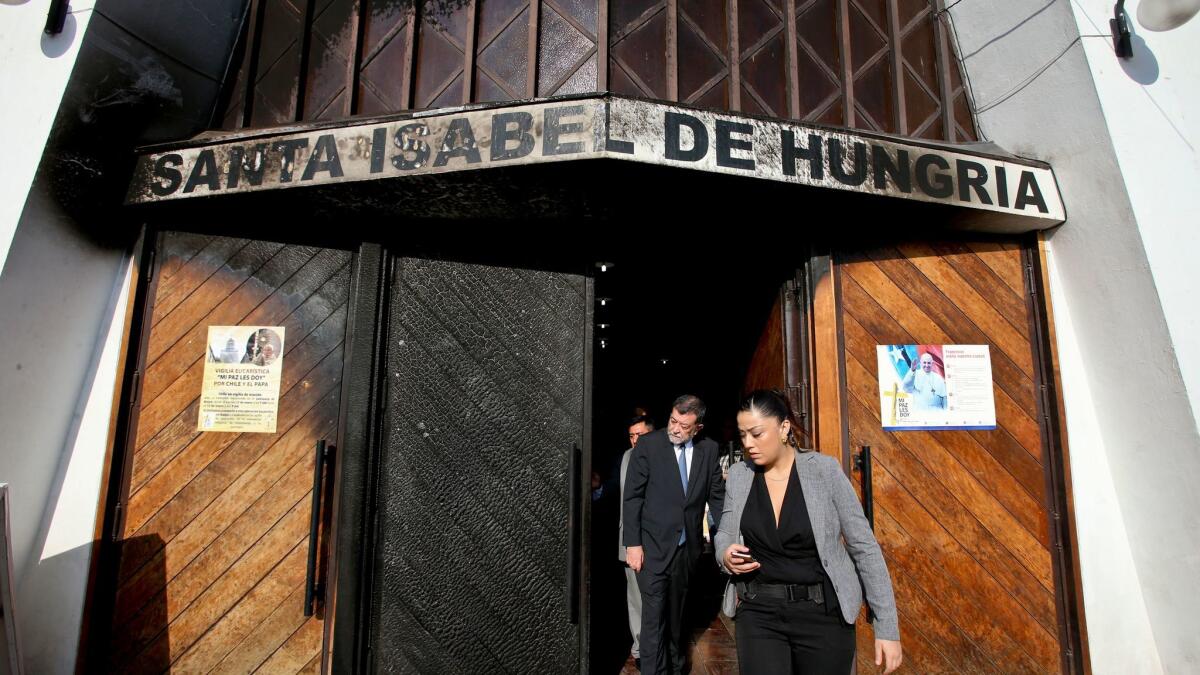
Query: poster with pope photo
935,387
242,373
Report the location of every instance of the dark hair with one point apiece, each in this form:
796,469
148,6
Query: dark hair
688,404
642,418
774,404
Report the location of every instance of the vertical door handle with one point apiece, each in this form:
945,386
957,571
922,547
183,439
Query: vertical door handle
862,462
574,533
312,585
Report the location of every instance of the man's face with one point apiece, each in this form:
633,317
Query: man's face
926,363
637,431
682,427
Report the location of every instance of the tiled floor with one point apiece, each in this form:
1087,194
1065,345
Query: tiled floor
712,651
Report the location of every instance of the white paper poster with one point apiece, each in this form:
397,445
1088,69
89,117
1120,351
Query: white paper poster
242,371
935,387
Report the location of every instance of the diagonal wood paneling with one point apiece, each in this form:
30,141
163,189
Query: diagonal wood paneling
502,52
384,49
567,47
884,65
961,515
329,75
214,542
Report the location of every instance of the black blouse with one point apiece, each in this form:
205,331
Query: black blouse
788,554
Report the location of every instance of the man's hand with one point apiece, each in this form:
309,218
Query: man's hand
635,557
887,655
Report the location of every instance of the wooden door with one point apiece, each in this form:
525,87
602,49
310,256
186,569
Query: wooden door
213,528
962,516
475,568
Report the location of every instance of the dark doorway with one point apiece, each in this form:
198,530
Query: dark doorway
675,317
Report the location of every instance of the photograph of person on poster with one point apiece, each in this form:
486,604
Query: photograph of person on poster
925,380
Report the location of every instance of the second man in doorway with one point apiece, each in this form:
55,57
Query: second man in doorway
639,426
671,476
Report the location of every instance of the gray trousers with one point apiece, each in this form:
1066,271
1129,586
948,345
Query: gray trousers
633,599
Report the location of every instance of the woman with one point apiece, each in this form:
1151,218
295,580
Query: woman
786,514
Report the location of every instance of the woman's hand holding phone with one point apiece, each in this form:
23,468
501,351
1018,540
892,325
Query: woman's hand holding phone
738,560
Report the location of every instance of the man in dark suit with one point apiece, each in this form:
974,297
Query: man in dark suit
671,476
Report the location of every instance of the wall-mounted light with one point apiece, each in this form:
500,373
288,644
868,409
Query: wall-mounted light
603,326
603,343
662,362
1121,37
604,301
1163,15
604,266
56,18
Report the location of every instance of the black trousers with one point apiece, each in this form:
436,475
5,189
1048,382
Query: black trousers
778,636
662,646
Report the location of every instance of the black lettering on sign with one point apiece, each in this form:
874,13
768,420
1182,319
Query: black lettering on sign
287,156
1028,193
502,135
792,152
837,163
935,184
673,121
458,142
726,143
555,129
378,143
252,167
1002,186
972,175
167,176
205,172
324,157
617,145
898,170
408,139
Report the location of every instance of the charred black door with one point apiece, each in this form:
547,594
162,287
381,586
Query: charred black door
476,561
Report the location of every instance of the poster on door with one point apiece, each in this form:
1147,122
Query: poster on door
935,387
242,369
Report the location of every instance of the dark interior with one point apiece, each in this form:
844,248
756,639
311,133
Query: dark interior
680,314
675,320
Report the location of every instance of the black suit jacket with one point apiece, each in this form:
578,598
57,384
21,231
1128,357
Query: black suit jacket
656,509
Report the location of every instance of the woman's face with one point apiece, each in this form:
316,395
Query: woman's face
762,437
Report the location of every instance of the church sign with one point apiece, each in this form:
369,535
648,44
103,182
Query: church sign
608,127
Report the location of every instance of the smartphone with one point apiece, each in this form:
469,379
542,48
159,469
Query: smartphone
743,556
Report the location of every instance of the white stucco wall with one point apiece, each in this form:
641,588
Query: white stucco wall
1123,151
1152,105
34,68
59,295
62,300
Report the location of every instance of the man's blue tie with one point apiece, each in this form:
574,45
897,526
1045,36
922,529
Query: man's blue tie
683,476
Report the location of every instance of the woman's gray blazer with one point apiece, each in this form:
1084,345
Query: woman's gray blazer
838,526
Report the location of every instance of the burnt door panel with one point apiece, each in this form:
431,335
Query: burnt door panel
488,396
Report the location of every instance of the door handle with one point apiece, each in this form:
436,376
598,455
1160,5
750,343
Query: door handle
862,462
574,534
312,585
